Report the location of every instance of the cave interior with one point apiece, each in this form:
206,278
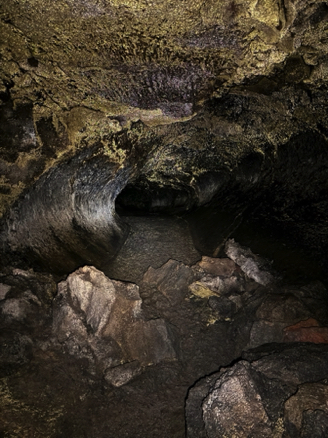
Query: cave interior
163,219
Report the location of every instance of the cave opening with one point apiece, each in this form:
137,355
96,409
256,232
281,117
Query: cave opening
247,218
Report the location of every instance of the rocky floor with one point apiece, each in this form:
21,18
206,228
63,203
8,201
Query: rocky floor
190,346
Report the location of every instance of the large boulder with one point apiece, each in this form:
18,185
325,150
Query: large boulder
102,320
279,391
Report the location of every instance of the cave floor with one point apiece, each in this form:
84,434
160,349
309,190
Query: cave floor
50,389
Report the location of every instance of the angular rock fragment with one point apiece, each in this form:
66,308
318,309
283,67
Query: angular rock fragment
18,282
280,316
230,406
309,397
218,266
205,289
17,309
317,335
275,313
101,319
253,266
275,391
282,307
235,396
221,278
211,286
265,332
171,279
25,300
122,374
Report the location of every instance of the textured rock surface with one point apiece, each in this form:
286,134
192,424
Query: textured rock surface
249,263
213,111
152,241
231,103
278,393
101,319
99,347
307,412
234,408
307,331
69,217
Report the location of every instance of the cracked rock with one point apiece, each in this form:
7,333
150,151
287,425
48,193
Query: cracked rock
101,320
276,390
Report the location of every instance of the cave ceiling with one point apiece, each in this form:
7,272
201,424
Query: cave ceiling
178,102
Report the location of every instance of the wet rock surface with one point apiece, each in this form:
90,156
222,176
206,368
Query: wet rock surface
111,358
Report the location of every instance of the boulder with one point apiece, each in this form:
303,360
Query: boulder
171,279
101,319
274,391
306,412
254,266
218,266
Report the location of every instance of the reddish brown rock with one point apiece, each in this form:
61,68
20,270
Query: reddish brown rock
275,313
310,322
306,331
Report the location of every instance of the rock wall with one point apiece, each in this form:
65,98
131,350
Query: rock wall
230,100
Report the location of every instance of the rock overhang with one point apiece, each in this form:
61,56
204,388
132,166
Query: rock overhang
225,102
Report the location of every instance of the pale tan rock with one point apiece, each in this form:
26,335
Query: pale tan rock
251,264
122,374
215,266
101,319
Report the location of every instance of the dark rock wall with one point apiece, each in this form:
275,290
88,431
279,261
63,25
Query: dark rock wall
231,96
68,217
224,155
